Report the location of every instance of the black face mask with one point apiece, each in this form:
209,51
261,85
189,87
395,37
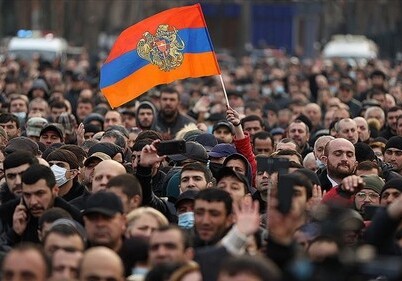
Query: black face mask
215,168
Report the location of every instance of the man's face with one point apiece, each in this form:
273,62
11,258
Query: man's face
263,146
210,219
103,230
366,197
237,165
389,195
192,180
265,181
341,159
166,247
38,197
18,105
313,112
89,172
362,129
83,110
50,137
65,265
38,109
252,127
298,133
128,121
112,118
233,186
26,265
376,114
169,104
393,156
299,202
348,130
392,118
145,117
55,241
224,134
102,174
13,178
11,129
56,112
319,147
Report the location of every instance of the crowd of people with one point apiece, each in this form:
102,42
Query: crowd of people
297,178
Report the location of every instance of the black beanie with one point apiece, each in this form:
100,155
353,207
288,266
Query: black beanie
394,142
364,152
393,183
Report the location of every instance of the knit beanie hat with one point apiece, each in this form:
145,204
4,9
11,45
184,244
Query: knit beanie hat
394,142
373,182
393,183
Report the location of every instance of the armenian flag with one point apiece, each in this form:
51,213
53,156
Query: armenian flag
168,46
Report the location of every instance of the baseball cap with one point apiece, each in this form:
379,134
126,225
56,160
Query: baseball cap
277,131
223,123
103,202
226,171
207,140
194,151
35,125
98,156
222,150
53,127
186,195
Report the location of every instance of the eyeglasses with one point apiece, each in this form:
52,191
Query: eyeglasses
363,195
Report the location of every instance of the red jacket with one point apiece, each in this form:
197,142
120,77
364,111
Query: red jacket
243,146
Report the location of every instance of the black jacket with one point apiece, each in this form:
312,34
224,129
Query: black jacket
9,237
76,191
325,183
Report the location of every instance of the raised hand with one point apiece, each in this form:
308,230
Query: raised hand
149,155
247,215
20,218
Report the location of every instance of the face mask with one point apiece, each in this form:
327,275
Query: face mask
320,165
266,91
279,89
186,220
59,174
21,116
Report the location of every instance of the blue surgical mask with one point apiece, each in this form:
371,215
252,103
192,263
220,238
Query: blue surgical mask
320,165
59,174
21,116
186,220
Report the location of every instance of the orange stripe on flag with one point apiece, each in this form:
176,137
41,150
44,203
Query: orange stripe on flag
194,65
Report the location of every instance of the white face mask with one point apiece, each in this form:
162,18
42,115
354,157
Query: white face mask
59,174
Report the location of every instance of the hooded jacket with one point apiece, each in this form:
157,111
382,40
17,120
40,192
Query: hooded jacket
249,173
146,104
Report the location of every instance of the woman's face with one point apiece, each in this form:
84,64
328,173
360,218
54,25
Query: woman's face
143,226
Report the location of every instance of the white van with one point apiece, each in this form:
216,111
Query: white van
350,47
47,47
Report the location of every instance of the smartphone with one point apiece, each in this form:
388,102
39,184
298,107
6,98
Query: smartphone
285,193
171,147
271,165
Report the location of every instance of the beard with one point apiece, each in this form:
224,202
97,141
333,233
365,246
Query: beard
339,171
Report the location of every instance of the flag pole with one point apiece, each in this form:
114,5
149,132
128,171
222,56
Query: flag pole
224,90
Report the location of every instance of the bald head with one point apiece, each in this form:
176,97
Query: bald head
104,171
101,263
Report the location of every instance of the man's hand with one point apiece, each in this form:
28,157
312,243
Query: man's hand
352,184
80,131
20,218
315,200
233,116
247,216
149,155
